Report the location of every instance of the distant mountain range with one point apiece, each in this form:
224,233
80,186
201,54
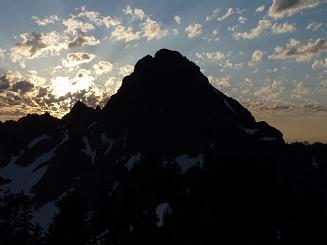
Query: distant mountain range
170,145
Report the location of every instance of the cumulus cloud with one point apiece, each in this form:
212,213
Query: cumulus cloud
178,19
263,25
91,16
126,70
153,30
260,9
227,64
213,15
78,58
320,64
282,8
193,30
228,14
45,21
125,34
5,81
283,28
22,86
256,57
219,83
102,67
135,13
213,56
215,35
2,53
37,44
242,19
73,24
300,52
299,90
271,90
110,21
313,26
81,39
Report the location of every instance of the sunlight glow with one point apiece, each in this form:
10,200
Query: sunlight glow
63,85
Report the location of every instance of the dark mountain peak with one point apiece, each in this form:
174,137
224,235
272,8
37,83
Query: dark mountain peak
80,115
168,98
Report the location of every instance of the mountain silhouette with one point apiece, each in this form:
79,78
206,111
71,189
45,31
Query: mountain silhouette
169,159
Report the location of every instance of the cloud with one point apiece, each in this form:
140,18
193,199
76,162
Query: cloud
178,19
300,90
73,24
213,56
45,21
80,39
228,14
263,25
110,21
135,13
193,30
271,91
219,83
2,53
320,64
282,8
256,57
95,18
283,28
153,30
22,86
260,9
125,34
102,67
214,15
300,52
75,59
5,81
37,45
92,16
242,19
126,70
62,85
313,26
227,64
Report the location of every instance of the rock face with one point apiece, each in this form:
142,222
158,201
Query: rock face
169,139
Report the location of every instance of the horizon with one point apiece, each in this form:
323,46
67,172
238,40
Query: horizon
270,58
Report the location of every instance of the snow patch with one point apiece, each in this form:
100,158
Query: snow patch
114,187
37,140
251,131
88,150
23,178
131,162
43,216
186,162
161,210
268,138
314,163
106,140
92,124
229,106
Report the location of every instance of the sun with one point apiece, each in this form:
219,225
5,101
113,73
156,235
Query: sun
64,85
61,86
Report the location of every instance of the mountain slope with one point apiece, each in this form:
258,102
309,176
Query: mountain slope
167,143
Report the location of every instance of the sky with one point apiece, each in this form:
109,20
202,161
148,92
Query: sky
269,55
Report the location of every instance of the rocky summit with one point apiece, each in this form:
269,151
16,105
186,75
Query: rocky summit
169,159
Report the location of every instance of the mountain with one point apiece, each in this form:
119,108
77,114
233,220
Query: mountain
169,159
